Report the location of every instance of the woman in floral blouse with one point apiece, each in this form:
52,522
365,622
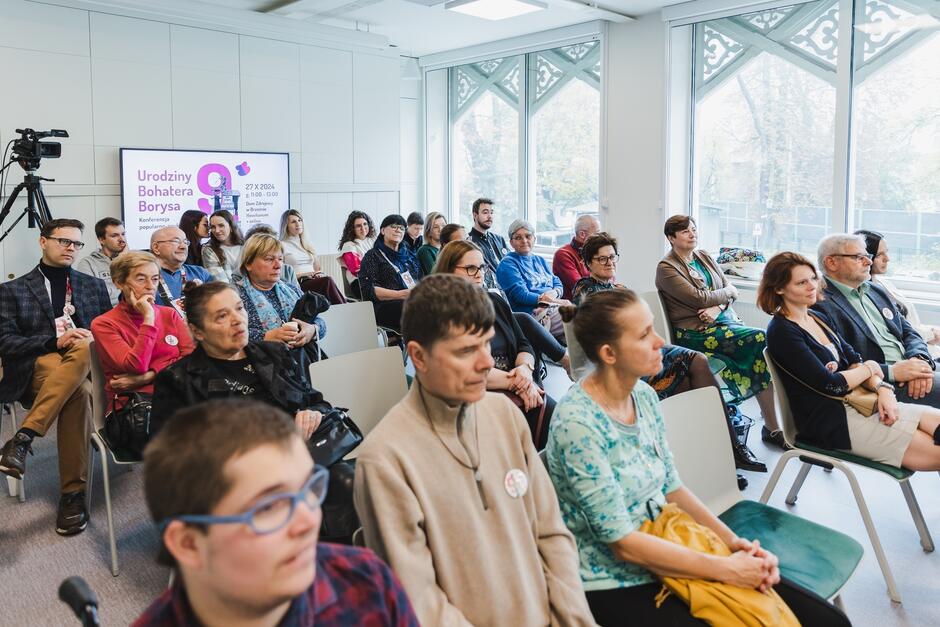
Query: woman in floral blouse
612,468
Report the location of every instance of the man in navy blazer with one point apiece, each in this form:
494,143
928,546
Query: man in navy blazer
864,315
44,343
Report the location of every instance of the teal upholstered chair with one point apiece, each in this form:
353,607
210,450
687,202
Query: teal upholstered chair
816,557
814,456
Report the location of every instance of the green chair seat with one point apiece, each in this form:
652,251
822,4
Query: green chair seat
798,543
899,474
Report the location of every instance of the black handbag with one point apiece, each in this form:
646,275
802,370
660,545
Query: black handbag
336,436
127,430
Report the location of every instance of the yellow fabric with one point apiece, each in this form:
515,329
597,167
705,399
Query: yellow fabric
714,602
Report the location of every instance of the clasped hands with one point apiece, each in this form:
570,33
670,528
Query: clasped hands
520,382
294,333
752,566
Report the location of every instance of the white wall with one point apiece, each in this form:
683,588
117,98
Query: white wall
114,80
635,113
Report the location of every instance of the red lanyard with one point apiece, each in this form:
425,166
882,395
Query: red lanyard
68,309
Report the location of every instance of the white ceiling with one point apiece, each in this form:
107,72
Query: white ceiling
418,29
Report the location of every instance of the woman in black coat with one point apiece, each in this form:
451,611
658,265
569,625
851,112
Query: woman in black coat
225,364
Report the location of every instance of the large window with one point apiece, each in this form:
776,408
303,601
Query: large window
791,142
525,131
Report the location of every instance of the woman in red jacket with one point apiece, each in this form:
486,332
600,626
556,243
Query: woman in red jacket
138,338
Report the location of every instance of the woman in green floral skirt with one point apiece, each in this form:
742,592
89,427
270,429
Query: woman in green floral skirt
698,299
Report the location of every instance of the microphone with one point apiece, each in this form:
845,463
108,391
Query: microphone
75,593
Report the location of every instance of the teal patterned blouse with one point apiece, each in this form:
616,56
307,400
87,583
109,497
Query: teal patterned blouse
604,473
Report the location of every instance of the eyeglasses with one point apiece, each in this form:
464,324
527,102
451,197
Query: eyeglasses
612,259
528,237
65,242
396,227
175,241
857,256
271,513
472,271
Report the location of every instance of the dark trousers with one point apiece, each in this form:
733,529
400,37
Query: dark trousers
539,337
388,313
636,606
323,285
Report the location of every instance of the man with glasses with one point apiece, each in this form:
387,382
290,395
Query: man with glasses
567,264
237,499
44,319
865,316
110,234
170,246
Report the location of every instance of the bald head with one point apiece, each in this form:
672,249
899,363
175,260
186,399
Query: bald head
170,247
585,226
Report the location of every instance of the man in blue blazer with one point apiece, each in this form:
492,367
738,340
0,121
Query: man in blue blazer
44,343
865,317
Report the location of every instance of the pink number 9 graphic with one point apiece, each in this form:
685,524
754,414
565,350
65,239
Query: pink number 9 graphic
202,179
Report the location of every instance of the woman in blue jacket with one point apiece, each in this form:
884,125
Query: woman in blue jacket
818,368
528,282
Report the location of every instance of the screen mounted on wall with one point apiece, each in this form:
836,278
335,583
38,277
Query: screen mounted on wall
157,186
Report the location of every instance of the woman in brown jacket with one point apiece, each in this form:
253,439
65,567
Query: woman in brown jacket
698,299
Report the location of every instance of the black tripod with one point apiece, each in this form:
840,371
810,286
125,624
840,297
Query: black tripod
36,206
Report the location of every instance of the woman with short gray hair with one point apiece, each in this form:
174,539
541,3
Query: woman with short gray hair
528,282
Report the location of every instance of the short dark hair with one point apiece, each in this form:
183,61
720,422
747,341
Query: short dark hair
441,303
872,240
184,464
595,319
675,224
777,273
415,218
594,244
448,231
197,295
60,223
481,201
101,226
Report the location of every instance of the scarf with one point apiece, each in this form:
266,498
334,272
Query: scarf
404,258
270,317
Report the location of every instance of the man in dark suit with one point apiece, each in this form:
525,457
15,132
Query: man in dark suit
864,315
44,319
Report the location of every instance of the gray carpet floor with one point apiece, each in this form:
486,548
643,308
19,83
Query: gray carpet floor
34,560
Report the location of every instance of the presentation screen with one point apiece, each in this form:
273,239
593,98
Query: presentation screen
157,186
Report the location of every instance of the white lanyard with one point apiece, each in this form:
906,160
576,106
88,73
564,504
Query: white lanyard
175,303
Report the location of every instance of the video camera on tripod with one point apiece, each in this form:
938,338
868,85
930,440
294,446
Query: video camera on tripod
28,151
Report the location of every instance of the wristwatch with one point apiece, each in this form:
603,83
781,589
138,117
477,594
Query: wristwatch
884,385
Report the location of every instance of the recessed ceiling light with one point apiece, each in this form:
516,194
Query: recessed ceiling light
495,9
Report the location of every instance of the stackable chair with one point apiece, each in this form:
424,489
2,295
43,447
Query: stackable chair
16,487
351,328
367,383
99,409
825,458
660,321
816,557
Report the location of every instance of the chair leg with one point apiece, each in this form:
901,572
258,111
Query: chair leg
872,533
925,540
16,487
798,483
837,601
90,486
775,476
107,504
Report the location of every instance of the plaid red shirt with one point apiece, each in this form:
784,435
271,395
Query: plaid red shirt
352,587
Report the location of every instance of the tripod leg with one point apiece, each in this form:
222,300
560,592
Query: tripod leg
6,208
41,205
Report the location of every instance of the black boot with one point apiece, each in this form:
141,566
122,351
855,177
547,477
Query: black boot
744,459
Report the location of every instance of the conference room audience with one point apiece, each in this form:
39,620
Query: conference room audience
357,239
287,271
170,246
302,258
568,264
492,244
514,371
413,238
698,297
225,462
451,464
428,252
44,320
819,367
225,364
110,234
864,316
528,282
877,247
683,369
195,226
388,272
610,462
138,338
220,256
452,232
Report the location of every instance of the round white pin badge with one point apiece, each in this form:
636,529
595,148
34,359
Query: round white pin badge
171,340
887,313
516,483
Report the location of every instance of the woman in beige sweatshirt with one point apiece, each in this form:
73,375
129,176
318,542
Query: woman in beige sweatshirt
450,489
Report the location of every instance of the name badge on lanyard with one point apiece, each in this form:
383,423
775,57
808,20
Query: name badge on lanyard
175,303
64,323
405,275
